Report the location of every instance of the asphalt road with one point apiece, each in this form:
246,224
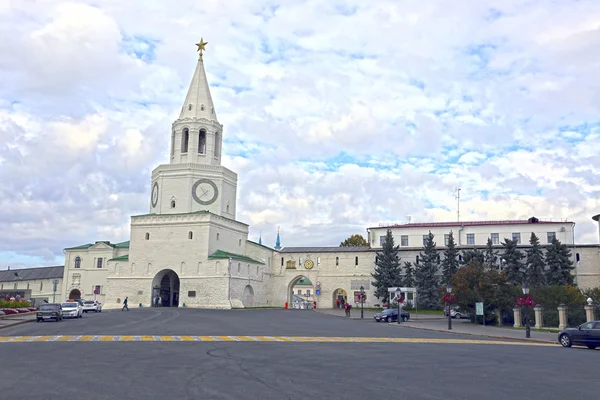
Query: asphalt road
270,370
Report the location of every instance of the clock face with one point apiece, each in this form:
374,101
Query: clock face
205,192
155,194
308,264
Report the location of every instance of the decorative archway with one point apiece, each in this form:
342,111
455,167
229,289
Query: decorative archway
300,291
75,294
248,296
341,295
165,286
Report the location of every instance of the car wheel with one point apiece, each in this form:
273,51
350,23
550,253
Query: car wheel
591,347
565,340
39,320
457,315
387,319
404,319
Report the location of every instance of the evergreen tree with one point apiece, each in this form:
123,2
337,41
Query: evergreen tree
534,270
511,258
491,256
387,268
409,274
473,255
426,278
450,262
560,265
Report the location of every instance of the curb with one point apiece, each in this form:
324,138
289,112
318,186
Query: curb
477,334
17,323
9,316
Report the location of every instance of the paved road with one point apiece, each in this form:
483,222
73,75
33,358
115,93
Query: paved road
273,370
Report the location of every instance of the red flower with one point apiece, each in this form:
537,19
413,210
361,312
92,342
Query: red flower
449,298
526,301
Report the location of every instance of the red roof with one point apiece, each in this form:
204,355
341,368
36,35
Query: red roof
472,223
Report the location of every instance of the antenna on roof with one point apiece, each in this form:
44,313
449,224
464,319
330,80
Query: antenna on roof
457,197
408,218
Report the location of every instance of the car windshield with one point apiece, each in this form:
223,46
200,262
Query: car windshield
388,311
88,302
46,307
69,305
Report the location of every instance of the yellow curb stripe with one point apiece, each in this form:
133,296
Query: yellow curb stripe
167,338
105,338
186,338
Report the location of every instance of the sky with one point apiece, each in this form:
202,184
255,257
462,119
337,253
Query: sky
338,115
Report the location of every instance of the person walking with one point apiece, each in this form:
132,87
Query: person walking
346,310
125,304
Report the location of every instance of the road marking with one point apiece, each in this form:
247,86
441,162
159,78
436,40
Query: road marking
266,339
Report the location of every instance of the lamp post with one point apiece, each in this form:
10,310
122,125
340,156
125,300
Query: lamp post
398,294
362,301
527,327
449,290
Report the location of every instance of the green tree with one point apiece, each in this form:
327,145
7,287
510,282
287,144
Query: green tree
409,274
387,268
511,258
470,256
426,278
560,265
490,256
355,241
534,264
450,262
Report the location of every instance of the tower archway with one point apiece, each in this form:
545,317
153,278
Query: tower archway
301,292
340,297
75,294
165,286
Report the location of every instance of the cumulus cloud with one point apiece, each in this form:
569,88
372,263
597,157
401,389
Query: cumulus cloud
337,116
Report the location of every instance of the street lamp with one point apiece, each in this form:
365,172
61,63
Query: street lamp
527,327
398,294
449,290
362,300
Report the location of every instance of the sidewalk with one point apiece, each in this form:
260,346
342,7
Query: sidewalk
9,321
465,327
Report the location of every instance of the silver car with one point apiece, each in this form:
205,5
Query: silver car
72,309
92,305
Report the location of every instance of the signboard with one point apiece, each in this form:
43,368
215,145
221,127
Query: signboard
318,291
478,308
355,284
55,282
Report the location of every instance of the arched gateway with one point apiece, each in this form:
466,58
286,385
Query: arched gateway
165,286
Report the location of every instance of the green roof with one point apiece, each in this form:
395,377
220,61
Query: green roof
220,254
122,245
303,282
83,246
120,258
261,245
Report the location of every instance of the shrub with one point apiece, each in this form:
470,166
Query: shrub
14,304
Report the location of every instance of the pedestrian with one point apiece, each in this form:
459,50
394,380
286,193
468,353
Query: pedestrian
346,310
337,302
349,308
125,305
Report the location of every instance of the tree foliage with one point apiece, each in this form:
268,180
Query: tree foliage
512,259
355,241
426,278
534,264
473,255
409,274
490,256
450,262
387,268
559,263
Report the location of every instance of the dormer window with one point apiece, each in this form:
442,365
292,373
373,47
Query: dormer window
190,107
202,107
172,203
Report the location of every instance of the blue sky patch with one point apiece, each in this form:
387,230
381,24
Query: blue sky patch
143,48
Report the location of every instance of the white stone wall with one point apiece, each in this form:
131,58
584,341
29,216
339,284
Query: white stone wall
88,276
40,288
588,267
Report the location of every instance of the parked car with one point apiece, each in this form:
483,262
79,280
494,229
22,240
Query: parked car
391,315
50,311
587,334
457,313
92,305
72,310
80,301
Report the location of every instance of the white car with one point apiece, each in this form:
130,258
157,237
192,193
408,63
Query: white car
72,309
92,305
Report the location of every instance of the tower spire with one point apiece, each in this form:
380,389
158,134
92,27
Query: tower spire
198,102
278,240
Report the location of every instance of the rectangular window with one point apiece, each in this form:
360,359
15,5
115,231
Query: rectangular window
470,238
300,292
495,238
516,237
99,262
97,289
282,261
28,286
41,286
404,240
15,286
191,293
308,292
382,240
425,239
446,240
319,260
337,261
551,237
355,260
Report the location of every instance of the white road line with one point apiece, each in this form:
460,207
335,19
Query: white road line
137,338
275,339
116,338
31,339
216,339
177,338
52,339
157,338
96,338
237,339
74,338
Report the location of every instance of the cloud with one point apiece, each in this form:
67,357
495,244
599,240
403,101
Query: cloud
336,117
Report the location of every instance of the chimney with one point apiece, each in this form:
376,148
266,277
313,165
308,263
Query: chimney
9,267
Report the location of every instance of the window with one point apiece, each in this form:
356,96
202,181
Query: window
2,286
185,140
217,236
376,259
470,238
355,260
577,257
239,242
446,239
319,260
190,235
99,265
227,207
382,240
404,240
239,267
495,238
202,142
337,261
417,260
299,260
15,286
282,261
191,293
97,289
460,257
587,325
190,107
77,262
147,236
172,203
516,237
425,239
28,286
41,286
551,237
299,291
217,145
308,292
257,272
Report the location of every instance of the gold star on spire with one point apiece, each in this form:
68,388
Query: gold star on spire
201,47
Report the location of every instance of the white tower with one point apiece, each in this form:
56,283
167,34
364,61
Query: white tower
194,180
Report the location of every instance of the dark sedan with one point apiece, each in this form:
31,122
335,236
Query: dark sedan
587,334
391,315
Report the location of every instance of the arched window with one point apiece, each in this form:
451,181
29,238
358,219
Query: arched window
417,260
202,142
282,261
227,207
239,242
239,267
577,257
147,236
337,261
190,235
185,140
217,144
172,203
217,236
355,260
77,262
